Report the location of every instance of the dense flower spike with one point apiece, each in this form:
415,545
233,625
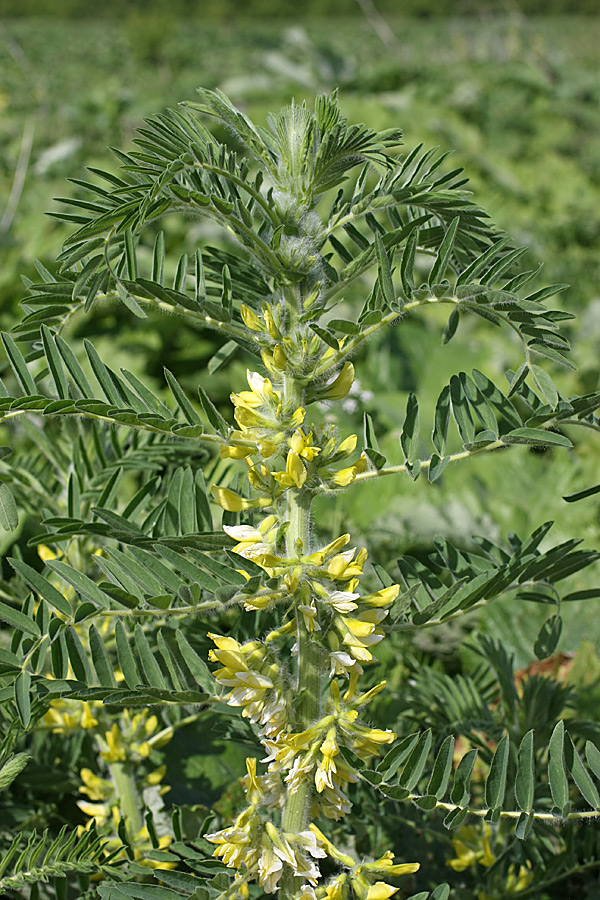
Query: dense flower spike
318,591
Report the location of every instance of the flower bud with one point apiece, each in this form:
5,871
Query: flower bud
250,319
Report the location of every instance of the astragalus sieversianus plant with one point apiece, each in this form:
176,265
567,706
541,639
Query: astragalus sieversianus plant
136,584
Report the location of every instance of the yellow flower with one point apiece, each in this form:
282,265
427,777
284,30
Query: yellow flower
309,614
302,444
255,683
381,891
472,845
295,473
331,849
45,553
348,445
231,451
344,477
95,787
386,865
270,322
280,360
345,566
384,597
116,750
250,319
232,502
337,889
340,386
327,767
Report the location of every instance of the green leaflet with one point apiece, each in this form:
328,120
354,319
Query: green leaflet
442,768
18,365
394,758
581,776
125,657
444,253
22,694
9,516
548,637
18,620
82,584
42,587
100,659
222,356
181,399
12,768
524,783
152,671
557,775
460,793
409,438
385,272
78,657
441,421
416,762
495,785
536,436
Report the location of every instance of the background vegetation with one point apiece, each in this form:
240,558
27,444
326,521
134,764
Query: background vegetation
516,97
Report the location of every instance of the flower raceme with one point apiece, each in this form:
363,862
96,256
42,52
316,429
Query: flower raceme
318,591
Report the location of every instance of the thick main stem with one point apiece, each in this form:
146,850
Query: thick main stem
123,776
309,669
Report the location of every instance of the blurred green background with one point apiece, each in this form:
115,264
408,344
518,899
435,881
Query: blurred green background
514,93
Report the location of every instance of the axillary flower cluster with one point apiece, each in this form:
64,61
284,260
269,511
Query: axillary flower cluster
304,718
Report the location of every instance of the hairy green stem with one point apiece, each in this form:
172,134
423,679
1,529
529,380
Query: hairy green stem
130,803
309,671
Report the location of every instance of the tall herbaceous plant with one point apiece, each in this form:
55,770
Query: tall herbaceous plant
134,581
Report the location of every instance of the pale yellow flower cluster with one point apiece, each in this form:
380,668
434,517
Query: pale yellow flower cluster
266,420
324,585
280,353
255,681
318,593
254,843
